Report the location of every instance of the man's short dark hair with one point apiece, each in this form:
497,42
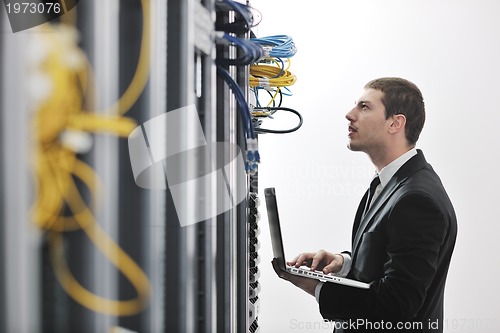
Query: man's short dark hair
402,97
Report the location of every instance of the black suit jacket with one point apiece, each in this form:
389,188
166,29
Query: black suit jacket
402,247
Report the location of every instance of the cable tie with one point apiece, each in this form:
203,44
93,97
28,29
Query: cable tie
252,144
267,51
264,82
78,141
219,34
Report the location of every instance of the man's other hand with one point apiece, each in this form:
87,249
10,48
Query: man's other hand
306,284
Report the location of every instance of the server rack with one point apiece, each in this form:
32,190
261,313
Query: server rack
20,287
207,286
189,251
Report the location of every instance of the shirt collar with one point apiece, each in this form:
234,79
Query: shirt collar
390,169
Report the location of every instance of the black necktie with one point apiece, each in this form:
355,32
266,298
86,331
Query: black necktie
373,186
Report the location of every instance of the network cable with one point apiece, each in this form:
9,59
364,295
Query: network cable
267,112
278,46
243,22
252,52
252,151
272,92
264,75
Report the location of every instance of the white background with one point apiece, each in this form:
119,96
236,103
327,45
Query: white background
451,50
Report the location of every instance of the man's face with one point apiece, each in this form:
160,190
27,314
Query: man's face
367,123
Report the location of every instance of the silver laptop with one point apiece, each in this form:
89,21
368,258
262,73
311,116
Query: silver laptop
279,252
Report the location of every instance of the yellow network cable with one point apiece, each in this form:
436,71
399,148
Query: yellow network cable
57,168
140,78
141,74
264,75
276,93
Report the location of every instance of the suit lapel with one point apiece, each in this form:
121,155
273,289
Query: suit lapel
359,215
377,204
409,168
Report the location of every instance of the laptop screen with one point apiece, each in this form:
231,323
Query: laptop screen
274,226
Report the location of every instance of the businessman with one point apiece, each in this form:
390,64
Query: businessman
404,229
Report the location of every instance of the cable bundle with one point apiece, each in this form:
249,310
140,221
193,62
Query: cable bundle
273,79
269,60
263,75
253,157
278,46
251,51
271,75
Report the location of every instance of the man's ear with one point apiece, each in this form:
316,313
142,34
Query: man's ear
398,123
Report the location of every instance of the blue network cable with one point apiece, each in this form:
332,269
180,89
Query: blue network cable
252,150
243,20
252,52
240,98
279,46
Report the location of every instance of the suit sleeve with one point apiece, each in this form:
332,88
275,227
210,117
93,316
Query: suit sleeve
415,229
